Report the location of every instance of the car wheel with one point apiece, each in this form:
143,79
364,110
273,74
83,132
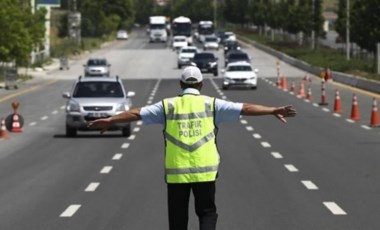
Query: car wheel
126,131
215,73
179,66
70,132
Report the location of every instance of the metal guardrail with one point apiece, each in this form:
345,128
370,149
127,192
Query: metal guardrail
348,79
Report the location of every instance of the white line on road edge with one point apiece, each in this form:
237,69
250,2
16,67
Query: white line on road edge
334,208
125,145
106,170
33,123
136,129
309,185
265,144
131,137
117,156
291,168
92,187
71,210
44,118
276,155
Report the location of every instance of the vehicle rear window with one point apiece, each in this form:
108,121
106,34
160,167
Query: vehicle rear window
189,51
238,56
204,56
98,89
211,39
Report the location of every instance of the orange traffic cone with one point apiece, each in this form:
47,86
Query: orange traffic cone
323,94
374,114
309,95
16,127
355,109
301,92
3,130
337,103
292,87
284,84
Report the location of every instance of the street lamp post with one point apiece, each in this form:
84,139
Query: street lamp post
215,23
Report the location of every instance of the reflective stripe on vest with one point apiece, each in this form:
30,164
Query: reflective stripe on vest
191,152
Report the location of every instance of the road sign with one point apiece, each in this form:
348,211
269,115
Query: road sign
54,3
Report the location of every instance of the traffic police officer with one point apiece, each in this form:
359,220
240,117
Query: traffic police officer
190,123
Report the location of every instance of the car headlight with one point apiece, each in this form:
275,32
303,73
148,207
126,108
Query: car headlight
72,106
212,64
252,78
121,107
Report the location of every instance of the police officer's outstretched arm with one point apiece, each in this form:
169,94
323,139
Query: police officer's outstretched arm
105,123
280,112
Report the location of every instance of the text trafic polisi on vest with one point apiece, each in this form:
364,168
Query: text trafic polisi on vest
190,128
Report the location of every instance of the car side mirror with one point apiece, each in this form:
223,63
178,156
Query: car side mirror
130,94
66,95
223,71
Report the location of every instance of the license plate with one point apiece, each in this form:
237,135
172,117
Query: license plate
97,115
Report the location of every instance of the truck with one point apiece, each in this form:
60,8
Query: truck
157,29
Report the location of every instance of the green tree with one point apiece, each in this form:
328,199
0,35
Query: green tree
365,21
22,31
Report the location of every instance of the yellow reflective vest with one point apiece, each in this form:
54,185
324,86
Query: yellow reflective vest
190,139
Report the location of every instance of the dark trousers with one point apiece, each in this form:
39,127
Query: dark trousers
178,205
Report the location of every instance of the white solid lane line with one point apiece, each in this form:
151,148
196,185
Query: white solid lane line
309,185
92,187
71,210
291,168
106,170
334,208
117,156
277,155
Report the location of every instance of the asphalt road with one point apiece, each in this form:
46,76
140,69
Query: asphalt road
318,171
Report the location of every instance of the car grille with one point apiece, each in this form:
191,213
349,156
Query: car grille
97,108
240,79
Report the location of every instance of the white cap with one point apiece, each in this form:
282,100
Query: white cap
191,72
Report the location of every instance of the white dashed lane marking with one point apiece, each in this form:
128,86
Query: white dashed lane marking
334,208
249,128
32,123
117,156
265,144
243,122
131,137
136,129
44,118
54,112
71,210
92,187
106,170
256,136
291,168
125,145
139,123
309,185
277,155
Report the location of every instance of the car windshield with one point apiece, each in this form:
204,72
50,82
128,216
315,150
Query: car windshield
97,62
211,39
239,68
98,89
204,56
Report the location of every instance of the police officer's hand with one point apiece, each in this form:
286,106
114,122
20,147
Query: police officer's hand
102,124
284,111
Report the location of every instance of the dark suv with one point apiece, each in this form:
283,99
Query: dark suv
230,45
235,56
206,62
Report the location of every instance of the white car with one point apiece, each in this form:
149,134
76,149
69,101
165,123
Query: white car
122,35
179,42
185,55
211,42
240,74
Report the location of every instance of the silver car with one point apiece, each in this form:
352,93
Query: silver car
97,67
92,98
